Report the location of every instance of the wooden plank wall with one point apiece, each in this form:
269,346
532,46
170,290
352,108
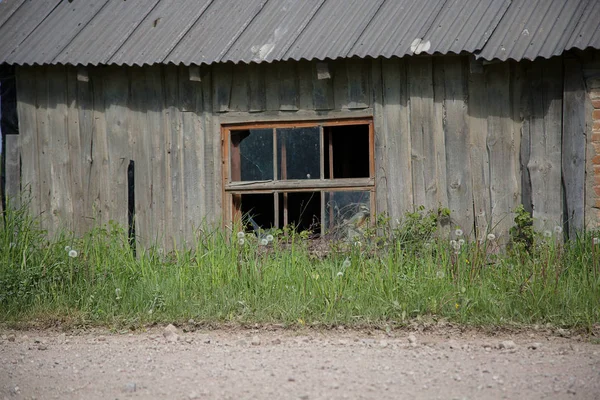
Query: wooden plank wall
449,133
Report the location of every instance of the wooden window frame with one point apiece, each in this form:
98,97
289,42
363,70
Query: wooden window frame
233,188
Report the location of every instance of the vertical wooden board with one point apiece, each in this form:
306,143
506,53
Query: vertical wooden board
322,89
193,183
240,89
340,83
458,141
210,158
256,87
75,167
437,141
222,79
289,90
155,136
357,75
519,103
176,95
525,103
504,180
478,154
44,150
397,138
381,156
574,145
116,100
99,185
12,171
271,86
427,148
140,142
61,196
27,138
186,89
305,85
545,161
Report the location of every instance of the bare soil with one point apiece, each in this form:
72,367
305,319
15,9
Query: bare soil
305,364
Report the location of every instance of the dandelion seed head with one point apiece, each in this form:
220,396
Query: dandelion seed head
73,253
357,244
264,242
118,293
461,242
547,234
558,230
596,240
340,273
458,232
440,274
346,263
491,237
241,235
67,248
241,241
270,238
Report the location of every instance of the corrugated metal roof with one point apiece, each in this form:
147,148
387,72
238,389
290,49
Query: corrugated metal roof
208,31
534,28
587,31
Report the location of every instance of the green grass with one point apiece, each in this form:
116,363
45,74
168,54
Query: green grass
402,274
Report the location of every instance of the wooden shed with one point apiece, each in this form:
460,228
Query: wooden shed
306,112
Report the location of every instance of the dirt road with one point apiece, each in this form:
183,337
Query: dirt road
305,364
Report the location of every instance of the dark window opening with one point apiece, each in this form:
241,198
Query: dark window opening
316,177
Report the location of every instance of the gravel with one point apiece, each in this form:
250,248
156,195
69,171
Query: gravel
306,364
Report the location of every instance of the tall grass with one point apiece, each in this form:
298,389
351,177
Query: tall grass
403,273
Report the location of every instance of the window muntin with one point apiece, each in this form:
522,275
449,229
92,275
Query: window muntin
314,175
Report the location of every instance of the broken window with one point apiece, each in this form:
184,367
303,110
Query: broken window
313,176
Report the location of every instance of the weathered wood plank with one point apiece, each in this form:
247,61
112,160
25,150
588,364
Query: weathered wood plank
504,179
427,138
397,138
271,86
305,86
340,84
256,87
222,78
186,89
175,97
357,71
140,142
43,147
240,89
322,89
61,203
211,157
381,156
12,171
155,136
75,167
28,144
116,100
573,145
289,90
545,146
457,139
478,155
85,109
526,99
99,185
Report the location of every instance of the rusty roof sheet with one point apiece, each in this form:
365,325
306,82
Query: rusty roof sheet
209,31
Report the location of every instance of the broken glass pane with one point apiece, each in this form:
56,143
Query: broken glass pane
299,153
347,214
252,155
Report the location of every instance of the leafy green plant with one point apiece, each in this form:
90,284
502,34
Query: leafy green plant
522,233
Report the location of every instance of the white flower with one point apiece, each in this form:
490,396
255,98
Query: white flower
340,273
241,241
264,242
461,242
455,245
547,234
458,232
357,244
440,274
241,235
596,240
67,248
73,253
270,238
346,263
491,237
558,230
